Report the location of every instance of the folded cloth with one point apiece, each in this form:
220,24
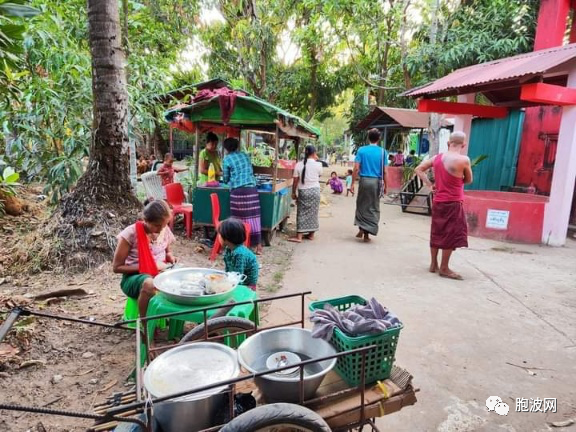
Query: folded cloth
359,320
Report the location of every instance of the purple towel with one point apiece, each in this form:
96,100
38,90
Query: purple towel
357,321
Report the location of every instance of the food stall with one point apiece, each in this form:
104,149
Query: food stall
228,112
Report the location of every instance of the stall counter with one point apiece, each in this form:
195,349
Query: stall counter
274,208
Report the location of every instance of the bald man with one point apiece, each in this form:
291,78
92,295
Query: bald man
452,170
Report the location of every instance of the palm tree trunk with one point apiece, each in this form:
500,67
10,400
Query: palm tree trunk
107,177
102,202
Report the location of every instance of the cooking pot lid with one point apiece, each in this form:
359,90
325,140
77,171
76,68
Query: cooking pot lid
189,367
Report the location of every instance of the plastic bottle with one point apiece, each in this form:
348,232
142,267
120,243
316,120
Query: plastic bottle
211,173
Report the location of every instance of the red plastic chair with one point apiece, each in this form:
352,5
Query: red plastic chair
215,201
215,221
175,197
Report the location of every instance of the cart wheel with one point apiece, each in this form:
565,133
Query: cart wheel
267,237
282,224
222,326
278,417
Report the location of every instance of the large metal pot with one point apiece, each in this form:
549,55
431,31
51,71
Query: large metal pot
185,368
270,349
169,282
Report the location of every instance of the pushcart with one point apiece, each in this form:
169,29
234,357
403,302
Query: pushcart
335,407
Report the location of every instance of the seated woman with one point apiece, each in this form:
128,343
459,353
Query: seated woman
143,251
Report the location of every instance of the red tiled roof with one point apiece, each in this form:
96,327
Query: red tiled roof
549,65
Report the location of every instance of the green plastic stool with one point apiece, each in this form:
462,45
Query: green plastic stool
131,313
160,305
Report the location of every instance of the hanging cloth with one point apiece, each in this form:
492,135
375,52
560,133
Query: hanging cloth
146,263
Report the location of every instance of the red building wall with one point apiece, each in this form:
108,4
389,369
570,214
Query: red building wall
542,124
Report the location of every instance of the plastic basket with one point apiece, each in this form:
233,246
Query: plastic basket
379,361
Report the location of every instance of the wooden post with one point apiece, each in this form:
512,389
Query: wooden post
196,153
276,158
420,142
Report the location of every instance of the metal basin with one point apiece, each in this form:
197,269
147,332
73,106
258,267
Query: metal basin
278,347
185,368
169,285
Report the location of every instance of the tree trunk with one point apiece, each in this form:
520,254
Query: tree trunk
313,82
434,133
102,202
435,118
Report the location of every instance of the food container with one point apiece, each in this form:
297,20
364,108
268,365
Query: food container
185,286
218,283
188,367
282,347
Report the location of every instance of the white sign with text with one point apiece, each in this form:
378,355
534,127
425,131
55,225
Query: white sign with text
497,219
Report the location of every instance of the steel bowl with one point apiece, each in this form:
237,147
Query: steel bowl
185,368
255,352
168,285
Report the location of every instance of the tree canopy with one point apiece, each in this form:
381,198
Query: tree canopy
301,55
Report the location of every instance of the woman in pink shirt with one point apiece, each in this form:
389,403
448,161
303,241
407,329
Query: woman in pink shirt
143,250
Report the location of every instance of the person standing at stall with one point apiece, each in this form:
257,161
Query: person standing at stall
238,173
209,156
306,193
370,164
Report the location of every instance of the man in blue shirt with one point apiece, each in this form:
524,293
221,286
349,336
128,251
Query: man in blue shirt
370,164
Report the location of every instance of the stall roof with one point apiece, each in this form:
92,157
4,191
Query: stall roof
500,80
249,112
406,118
192,89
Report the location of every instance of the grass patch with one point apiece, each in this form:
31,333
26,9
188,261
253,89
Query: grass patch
272,288
278,276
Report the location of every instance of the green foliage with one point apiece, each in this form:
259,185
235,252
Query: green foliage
189,180
409,169
478,31
8,182
478,159
47,123
12,28
261,156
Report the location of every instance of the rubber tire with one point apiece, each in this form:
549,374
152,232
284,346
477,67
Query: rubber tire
215,324
275,415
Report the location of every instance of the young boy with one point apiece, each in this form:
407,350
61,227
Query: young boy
349,183
166,172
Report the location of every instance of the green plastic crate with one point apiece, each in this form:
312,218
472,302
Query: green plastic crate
379,361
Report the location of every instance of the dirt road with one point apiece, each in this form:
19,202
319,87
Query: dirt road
507,330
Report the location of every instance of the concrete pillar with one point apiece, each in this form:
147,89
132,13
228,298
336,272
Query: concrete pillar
552,19
557,211
463,122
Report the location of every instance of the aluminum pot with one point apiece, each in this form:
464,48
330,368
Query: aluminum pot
260,352
168,284
185,368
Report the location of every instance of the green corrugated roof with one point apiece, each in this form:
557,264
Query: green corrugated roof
249,110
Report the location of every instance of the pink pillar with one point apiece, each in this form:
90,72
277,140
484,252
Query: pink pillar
463,122
557,211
